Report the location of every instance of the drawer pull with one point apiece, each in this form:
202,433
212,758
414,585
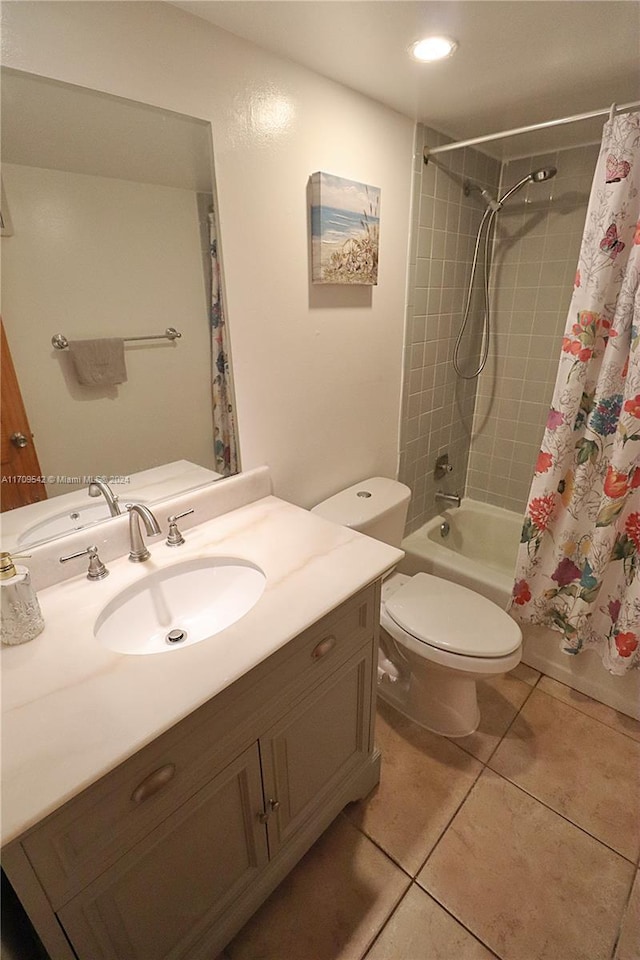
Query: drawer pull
154,782
323,648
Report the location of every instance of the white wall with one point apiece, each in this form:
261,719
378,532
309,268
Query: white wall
99,257
317,370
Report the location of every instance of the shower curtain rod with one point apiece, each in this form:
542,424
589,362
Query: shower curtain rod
617,108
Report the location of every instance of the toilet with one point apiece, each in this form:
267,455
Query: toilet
437,638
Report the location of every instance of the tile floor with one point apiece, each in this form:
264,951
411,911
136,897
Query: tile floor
520,842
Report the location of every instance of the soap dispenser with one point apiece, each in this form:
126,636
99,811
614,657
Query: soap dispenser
20,616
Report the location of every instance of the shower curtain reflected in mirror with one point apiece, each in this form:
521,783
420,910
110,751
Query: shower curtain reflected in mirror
578,567
224,436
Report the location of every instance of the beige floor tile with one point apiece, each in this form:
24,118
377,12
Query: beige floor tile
524,672
421,930
499,700
629,943
524,880
599,711
424,779
578,766
330,907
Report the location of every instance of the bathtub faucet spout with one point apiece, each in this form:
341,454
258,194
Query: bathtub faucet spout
453,499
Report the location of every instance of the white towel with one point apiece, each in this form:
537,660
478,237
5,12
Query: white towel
99,362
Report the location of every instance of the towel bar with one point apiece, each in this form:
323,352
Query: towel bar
60,342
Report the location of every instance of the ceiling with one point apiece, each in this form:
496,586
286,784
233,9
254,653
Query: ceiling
519,61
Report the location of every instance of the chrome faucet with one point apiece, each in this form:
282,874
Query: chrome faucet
451,498
97,487
138,511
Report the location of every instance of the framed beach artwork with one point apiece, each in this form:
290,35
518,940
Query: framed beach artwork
345,229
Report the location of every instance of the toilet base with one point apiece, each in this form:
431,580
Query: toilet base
444,704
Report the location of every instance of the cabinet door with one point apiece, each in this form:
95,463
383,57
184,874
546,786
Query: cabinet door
163,896
317,744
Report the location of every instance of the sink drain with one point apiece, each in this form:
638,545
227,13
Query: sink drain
176,636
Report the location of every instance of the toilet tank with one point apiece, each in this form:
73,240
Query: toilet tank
377,507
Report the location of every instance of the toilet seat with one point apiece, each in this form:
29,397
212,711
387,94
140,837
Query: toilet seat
450,618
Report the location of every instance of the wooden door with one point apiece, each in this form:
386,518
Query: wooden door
163,897
17,461
311,750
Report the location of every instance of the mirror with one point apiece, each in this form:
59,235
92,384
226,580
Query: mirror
106,206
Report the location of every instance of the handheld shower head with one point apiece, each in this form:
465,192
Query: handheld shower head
537,176
495,203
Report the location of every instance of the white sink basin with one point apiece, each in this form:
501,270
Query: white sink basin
180,605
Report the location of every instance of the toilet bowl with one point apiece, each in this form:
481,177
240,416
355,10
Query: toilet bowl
437,638
441,638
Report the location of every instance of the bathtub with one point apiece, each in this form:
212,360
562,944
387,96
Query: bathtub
479,552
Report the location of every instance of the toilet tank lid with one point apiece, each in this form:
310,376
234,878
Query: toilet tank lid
363,502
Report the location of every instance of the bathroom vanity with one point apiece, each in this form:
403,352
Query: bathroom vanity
152,803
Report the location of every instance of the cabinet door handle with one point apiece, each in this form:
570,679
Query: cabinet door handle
323,648
273,806
154,782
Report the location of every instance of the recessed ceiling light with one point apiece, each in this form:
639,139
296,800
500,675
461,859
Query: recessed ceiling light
433,48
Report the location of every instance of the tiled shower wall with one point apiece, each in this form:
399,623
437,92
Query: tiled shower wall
537,242
491,427
438,407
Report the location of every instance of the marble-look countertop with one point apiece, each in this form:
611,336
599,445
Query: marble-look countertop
73,710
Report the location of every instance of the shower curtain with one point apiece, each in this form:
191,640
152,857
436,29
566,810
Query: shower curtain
224,436
578,568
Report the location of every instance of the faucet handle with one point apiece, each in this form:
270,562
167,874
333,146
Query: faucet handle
175,538
97,569
442,467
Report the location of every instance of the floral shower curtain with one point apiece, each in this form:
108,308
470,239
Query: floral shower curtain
224,436
578,567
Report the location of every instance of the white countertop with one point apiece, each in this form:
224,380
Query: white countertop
73,710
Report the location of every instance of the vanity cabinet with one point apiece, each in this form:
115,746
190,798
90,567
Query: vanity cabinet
162,895
166,857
